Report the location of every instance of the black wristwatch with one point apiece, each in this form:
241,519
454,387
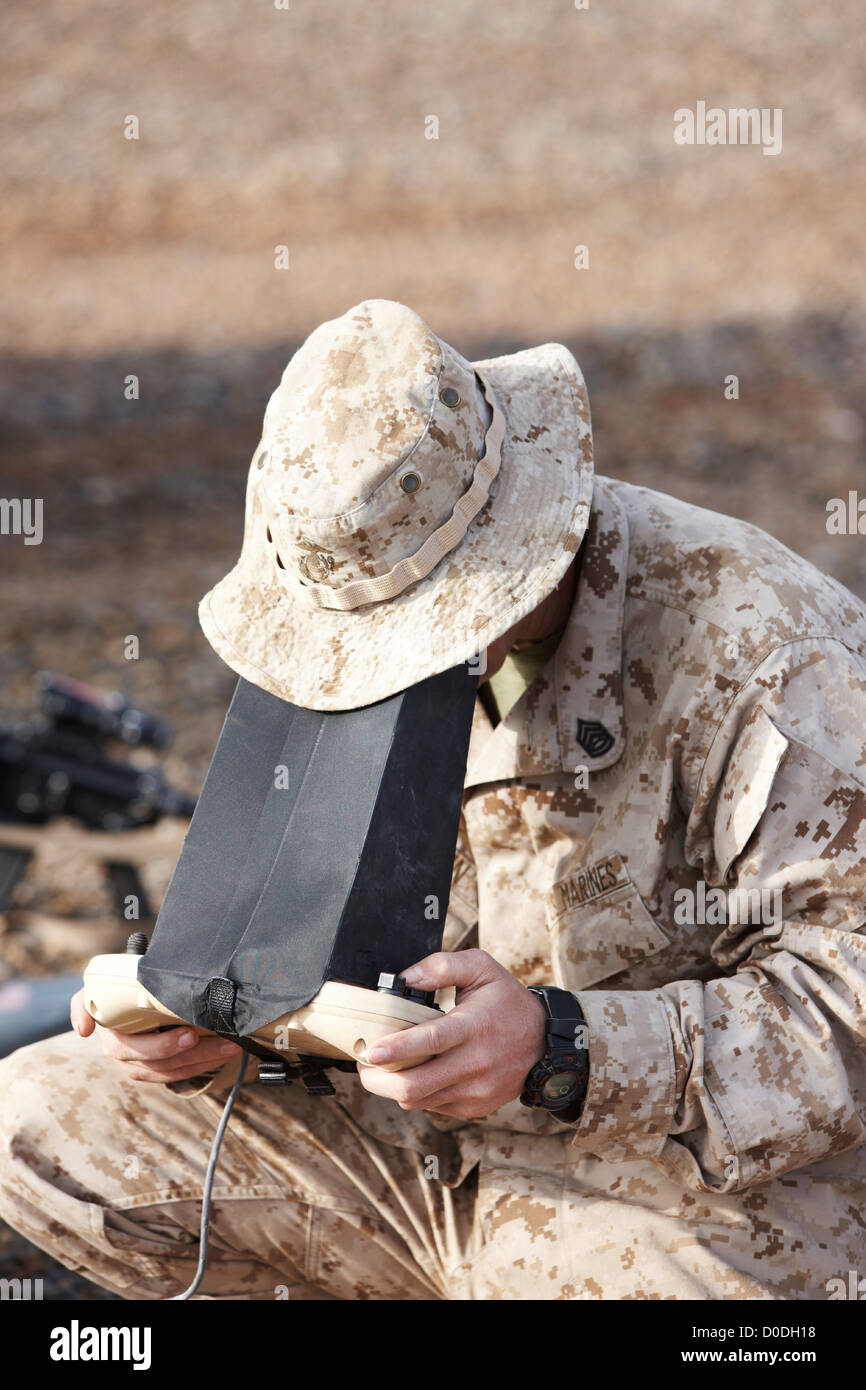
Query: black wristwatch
558,1082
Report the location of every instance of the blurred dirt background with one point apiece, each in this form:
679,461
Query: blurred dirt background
305,127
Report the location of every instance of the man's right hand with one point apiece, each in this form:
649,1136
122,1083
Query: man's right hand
174,1055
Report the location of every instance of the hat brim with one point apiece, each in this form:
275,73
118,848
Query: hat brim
513,555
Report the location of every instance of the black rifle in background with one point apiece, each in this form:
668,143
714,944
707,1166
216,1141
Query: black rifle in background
57,765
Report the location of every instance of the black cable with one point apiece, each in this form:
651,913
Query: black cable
208,1185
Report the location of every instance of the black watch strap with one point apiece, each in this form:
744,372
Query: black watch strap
567,1052
561,1007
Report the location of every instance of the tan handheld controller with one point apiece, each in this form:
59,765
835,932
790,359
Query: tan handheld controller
341,1022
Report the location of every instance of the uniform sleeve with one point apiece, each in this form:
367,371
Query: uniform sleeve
757,1072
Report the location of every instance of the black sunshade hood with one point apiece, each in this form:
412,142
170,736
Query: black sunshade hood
315,847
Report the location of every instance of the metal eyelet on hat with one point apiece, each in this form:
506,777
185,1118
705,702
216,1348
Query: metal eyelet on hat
262,459
448,396
410,482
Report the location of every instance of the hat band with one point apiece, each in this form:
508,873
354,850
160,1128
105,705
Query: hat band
414,567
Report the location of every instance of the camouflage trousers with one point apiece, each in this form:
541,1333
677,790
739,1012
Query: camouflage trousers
352,1198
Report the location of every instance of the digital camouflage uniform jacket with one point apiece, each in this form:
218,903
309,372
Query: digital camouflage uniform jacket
700,729
702,726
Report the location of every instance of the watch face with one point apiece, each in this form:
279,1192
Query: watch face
558,1087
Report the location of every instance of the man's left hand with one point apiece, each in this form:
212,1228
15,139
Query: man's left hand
482,1050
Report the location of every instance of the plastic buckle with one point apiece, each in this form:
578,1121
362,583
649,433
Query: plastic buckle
274,1073
313,1076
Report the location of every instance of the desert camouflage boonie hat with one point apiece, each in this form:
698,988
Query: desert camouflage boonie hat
405,507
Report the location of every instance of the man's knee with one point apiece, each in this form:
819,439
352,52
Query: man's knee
29,1079
65,1144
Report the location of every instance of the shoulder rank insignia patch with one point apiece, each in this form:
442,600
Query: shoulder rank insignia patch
593,737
